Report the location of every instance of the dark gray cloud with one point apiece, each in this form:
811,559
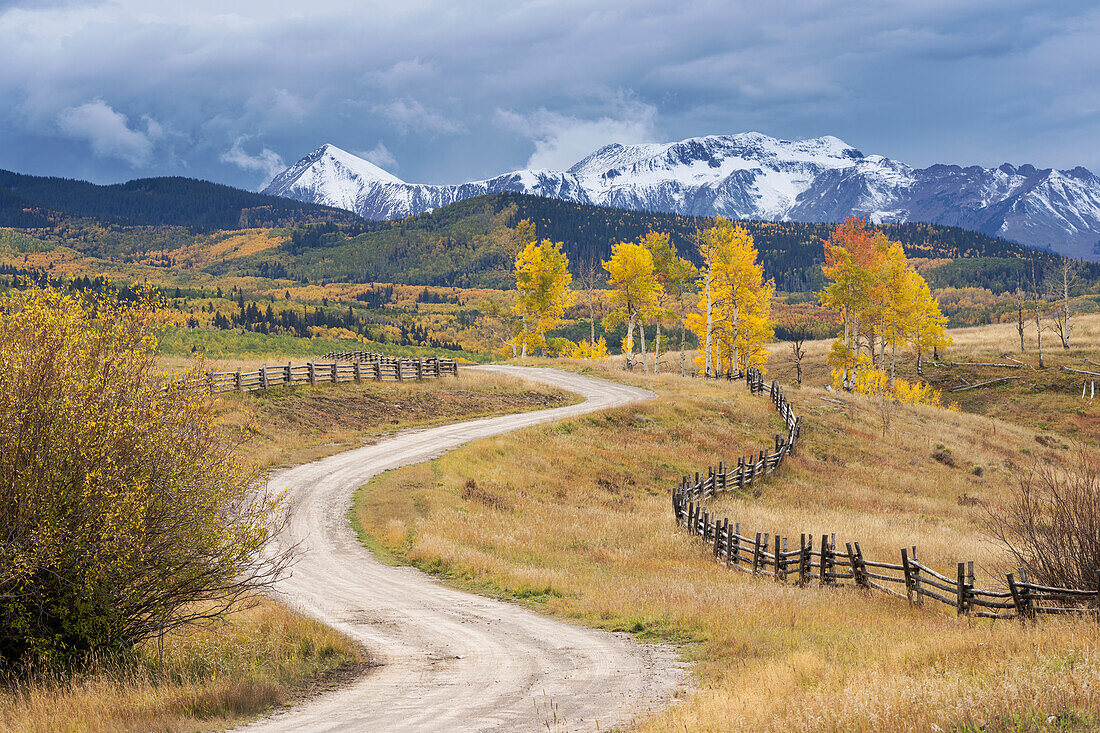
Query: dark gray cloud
449,91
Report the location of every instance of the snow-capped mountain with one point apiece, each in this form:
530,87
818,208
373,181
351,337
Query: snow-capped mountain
749,176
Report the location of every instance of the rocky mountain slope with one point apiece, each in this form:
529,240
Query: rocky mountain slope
749,176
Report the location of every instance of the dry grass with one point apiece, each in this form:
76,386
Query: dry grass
575,519
292,426
210,678
1047,400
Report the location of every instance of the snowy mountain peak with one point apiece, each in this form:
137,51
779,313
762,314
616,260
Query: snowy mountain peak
331,175
748,175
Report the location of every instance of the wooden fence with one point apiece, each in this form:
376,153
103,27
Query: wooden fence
338,367
769,555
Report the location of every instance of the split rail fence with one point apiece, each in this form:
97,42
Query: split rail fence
768,554
337,367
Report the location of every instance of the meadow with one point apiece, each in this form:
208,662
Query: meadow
575,520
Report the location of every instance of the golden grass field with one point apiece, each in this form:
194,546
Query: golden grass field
575,519
1048,399
266,655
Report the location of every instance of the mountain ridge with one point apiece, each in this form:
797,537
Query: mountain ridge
748,176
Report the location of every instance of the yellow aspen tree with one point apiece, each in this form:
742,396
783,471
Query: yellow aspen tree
634,293
930,325
543,291
735,309
673,273
899,308
854,259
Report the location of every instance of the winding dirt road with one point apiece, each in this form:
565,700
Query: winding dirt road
453,661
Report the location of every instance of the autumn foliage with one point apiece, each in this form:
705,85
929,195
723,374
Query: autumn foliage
733,321
123,513
885,304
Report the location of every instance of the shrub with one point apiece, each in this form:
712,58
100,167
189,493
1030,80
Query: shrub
1051,523
123,513
587,350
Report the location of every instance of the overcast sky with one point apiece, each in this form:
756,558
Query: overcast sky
442,92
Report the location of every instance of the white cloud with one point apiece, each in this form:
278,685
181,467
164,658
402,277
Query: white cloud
409,115
562,140
109,132
402,74
381,156
267,161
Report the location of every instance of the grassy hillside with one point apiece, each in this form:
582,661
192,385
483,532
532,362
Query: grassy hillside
574,519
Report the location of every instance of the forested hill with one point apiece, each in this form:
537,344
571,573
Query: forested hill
35,202
466,244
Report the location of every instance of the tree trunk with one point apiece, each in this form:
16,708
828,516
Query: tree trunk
733,346
1020,324
592,321
1039,336
1064,333
629,351
710,326
641,331
657,348
683,337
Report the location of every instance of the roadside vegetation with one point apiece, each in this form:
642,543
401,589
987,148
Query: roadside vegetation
574,519
132,581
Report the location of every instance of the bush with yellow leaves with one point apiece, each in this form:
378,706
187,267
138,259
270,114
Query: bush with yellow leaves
123,512
874,381
586,350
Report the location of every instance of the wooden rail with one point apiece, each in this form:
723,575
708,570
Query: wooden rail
338,367
819,559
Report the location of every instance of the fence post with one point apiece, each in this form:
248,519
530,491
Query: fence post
289,373
736,553
854,565
805,561
335,376
237,380
756,554
824,569
918,597
962,601
420,369
358,373
784,579
1018,598
718,537
312,374
775,564
210,380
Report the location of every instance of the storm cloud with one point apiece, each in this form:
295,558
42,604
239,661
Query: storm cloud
448,91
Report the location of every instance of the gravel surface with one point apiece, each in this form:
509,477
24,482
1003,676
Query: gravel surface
450,660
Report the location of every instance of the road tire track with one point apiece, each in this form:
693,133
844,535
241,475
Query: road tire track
450,660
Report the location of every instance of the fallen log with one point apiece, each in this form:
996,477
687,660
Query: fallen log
983,363
1080,371
983,384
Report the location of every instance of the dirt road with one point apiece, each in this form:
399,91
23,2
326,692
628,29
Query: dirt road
452,661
